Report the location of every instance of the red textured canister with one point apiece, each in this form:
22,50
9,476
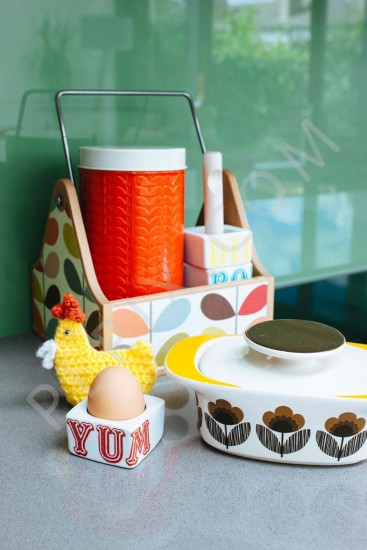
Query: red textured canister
132,202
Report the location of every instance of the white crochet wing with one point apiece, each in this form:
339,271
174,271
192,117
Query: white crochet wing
47,352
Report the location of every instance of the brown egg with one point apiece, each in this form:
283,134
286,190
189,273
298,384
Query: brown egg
115,394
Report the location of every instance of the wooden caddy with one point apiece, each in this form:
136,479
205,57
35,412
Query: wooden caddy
65,265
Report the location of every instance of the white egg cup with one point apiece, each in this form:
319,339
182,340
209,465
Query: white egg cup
123,443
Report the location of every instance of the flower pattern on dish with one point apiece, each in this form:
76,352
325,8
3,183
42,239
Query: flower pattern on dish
282,420
222,412
346,425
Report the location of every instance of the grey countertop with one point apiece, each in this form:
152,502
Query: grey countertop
183,495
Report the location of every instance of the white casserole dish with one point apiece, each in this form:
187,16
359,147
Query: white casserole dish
307,411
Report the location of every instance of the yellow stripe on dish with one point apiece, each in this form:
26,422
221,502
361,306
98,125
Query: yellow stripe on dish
180,360
363,346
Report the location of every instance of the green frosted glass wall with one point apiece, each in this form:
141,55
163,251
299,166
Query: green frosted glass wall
280,89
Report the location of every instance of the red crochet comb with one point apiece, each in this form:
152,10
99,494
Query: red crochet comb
68,309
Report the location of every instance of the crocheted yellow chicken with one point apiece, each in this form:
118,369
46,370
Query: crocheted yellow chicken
77,363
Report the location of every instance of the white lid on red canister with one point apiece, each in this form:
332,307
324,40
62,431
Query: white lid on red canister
134,159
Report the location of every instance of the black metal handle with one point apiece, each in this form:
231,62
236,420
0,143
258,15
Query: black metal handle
62,93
